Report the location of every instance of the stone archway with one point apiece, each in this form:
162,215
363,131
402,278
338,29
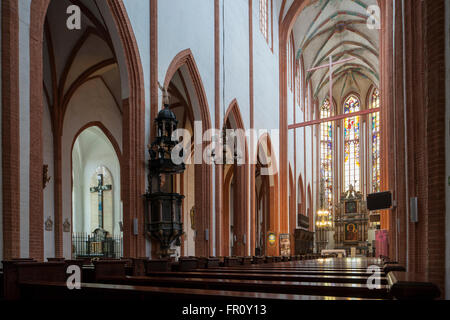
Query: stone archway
133,135
238,175
264,150
203,172
292,210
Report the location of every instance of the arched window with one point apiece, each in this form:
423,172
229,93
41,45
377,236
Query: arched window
326,154
290,62
352,134
264,18
375,142
297,82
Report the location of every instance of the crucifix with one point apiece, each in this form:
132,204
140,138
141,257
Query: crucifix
100,188
330,65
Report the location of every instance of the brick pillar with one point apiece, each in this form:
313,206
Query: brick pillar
10,129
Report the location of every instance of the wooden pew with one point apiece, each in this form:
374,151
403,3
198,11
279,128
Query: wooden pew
362,279
411,286
231,261
157,265
310,284
99,292
206,263
16,272
265,286
105,269
300,278
186,264
258,260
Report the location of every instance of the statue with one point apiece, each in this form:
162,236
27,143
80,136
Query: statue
351,193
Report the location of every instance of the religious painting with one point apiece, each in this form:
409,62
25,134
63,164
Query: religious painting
272,239
351,207
285,245
351,232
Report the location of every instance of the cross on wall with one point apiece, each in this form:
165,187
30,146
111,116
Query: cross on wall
100,188
330,65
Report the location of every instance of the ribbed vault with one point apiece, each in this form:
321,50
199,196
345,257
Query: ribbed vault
337,28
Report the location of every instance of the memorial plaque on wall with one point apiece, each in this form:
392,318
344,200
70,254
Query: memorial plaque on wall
285,245
272,239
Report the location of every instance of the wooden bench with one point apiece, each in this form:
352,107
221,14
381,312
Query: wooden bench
231,261
411,286
265,286
58,291
16,272
206,263
258,260
290,272
306,278
156,265
361,279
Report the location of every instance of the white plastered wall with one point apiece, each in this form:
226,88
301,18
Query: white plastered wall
93,149
24,93
140,22
49,204
91,102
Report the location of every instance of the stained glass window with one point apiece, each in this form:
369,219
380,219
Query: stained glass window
375,134
352,146
326,153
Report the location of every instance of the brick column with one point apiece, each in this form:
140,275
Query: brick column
10,129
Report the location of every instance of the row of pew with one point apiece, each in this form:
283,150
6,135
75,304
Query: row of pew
238,279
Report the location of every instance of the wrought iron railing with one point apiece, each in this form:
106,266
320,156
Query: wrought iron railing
91,245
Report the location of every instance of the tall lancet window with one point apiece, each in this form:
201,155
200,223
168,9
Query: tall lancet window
326,154
375,142
264,18
352,164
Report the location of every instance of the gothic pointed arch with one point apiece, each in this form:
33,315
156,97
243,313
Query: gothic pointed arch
233,120
309,208
133,134
292,210
269,168
203,172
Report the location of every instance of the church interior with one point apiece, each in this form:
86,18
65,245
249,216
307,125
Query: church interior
250,150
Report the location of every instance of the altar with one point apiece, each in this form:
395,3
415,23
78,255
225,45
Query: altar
338,252
352,223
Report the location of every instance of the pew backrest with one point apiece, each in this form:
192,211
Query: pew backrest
109,269
161,265
16,272
411,286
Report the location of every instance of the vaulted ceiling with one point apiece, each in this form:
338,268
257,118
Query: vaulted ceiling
337,28
75,57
